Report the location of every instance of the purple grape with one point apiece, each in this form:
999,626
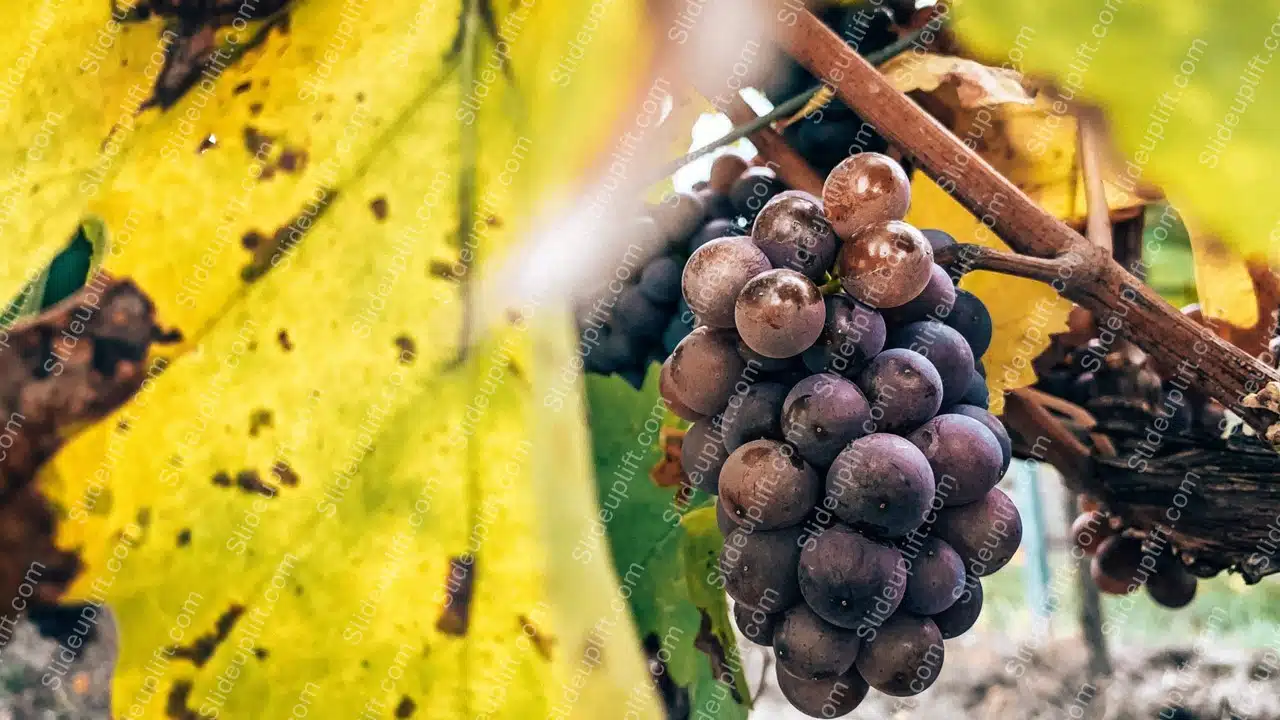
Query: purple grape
760,566
764,485
716,273
849,579
945,348
809,647
993,424
714,230
756,625
637,316
765,364
822,414
964,455
957,619
937,576
977,394
938,239
934,302
718,205
970,318
827,697
794,234
882,483
905,656
986,533
753,414
852,334
702,454
753,189
704,368
904,390
779,313
660,281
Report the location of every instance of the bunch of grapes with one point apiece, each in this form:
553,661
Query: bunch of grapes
838,406
641,317
1123,561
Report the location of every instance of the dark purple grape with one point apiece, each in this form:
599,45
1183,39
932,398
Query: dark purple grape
882,483
934,302
702,454
718,205
755,187
977,394
679,215
809,647
993,424
885,264
986,533
864,189
660,281
852,334
704,368
779,313
716,273
667,390
970,318
765,485
753,414
964,454
760,566
937,575
637,316
725,170
829,697
605,350
945,348
850,580
938,239
756,625
957,619
905,656
822,414
765,364
718,228
904,390
723,521
794,234
1171,585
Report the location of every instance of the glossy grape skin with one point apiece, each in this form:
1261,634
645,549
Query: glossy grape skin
667,390
977,395
885,264
986,533
822,414
764,364
934,302
716,273
1120,558
755,187
753,414
945,348
964,455
723,520
848,578
852,334
704,369
779,313
702,455
809,647
660,281
963,613
714,230
1088,531
904,390
938,239
863,189
1171,586
882,483
970,318
765,485
760,567
828,697
993,424
905,657
794,234
937,577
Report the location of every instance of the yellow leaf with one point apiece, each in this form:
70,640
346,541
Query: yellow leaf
1024,313
326,503
969,84
1223,283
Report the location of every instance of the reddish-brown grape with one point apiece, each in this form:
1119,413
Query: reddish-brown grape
794,234
716,273
765,485
779,313
863,189
725,171
668,392
702,455
933,303
704,368
1089,530
885,264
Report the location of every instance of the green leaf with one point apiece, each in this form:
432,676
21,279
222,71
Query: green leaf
1185,85
665,552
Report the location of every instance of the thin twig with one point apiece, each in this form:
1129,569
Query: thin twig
790,165
1089,148
1056,270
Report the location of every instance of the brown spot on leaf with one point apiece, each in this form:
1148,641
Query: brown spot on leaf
405,707
259,419
175,704
251,481
408,349
184,537
203,647
255,109
360,97
493,221
122,426
252,240
292,160
541,642
285,343
458,583
242,87
284,474
668,471
709,644
260,653
379,207
222,479
443,270
256,142
286,238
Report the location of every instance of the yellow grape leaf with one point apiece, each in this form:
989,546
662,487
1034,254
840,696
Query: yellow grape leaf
1185,85
1028,138
1223,283
1024,313
326,503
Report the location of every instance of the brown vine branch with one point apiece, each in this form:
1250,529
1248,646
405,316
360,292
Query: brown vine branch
1099,284
1089,148
790,166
